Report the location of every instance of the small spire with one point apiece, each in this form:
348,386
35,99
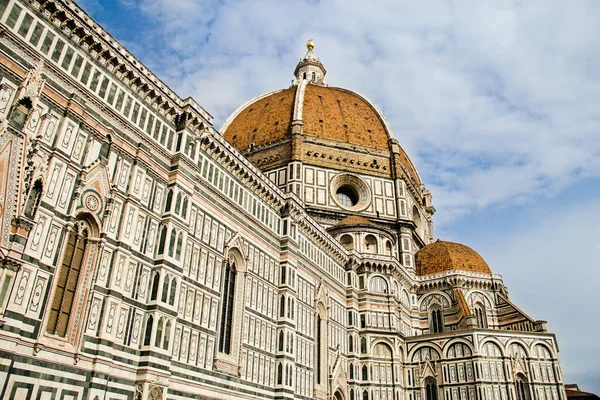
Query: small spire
310,68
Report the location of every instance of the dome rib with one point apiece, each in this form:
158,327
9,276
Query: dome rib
328,113
442,256
262,120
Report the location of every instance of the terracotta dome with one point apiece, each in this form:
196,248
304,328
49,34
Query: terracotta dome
442,256
353,220
330,119
327,113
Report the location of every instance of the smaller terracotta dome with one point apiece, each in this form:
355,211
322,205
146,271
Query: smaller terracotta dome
353,220
442,256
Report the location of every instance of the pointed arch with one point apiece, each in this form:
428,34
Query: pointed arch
159,333
148,331
172,242
154,287
169,200
173,291
77,260
165,288
178,203
167,335
430,388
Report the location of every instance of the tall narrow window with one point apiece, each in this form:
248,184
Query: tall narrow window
227,309
178,203
165,290
169,201
167,335
481,316
172,243
67,278
521,388
173,291
33,201
319,350
430,389
154,289
163,239
179,245
436,321
279,374
148,332
159,330
184,207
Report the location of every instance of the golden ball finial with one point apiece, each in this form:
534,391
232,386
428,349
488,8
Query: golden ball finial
310,44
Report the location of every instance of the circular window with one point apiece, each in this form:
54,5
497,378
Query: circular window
347,196
350,192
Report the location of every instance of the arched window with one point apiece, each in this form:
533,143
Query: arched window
172,243
522,387
167,335
173,291
321,347
282,275
227,308
347,241
388,248
163,239
33,201
378,284
77,251
416,216
282,306
370,244
351,370
179,245
281,341
436,323
365,373
279,374
314,76
148,332
351,394
184,207
481,316
159,330
165,289
350,344
366,395
431,390
178,203
363,345
154,289
169,201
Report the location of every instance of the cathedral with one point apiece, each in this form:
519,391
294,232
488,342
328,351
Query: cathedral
289,255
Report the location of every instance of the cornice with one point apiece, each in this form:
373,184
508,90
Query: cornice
88,35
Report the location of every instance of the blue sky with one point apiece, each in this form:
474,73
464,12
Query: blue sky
497,103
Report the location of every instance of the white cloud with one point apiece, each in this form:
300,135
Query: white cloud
496,103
